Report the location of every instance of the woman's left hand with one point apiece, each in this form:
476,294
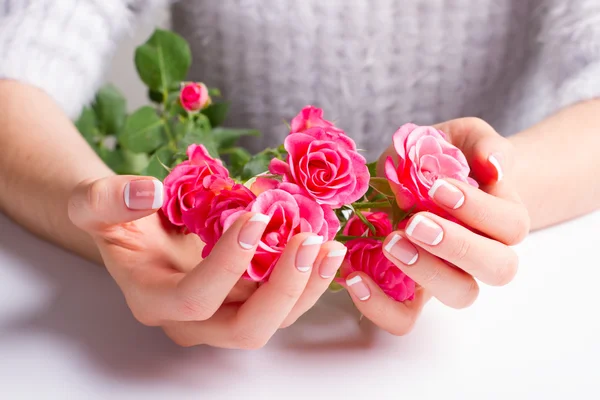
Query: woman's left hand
444,258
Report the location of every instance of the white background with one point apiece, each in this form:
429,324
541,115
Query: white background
65,332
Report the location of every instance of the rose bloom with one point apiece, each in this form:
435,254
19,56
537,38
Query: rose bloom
311,117
186,179
380,221
291,212
366,255
194,96
218,199
423,156
325,164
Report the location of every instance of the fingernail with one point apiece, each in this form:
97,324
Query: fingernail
252,231
331,263
402,250
425,230
494,159
307,253
358,288
144,194
446,194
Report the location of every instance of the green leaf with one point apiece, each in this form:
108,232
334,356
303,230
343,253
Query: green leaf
113,158
111,109
143,131
214,92
225,137
258,164
155,96
158,162
216,113
381,185
133,163
87,125
365,221
163,61
195,135
238,158
372,168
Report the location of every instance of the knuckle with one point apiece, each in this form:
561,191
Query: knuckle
505,270
460,250
144,317
197,308
179,339
480,215
248,340
97,196
291,292
521,227
404,328
468,295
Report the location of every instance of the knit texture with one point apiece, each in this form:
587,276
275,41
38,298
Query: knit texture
371,64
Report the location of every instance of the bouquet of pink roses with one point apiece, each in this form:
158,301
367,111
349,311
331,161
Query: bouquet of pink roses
317,182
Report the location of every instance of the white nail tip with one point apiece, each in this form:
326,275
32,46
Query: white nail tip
436,185
158,194
413,224
438,239
391,243
364,297
354,281
126,195
246,246
312,240
303,269
337,253
459,203
413,260
260,218
494,161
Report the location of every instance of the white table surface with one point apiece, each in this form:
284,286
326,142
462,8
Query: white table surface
66,333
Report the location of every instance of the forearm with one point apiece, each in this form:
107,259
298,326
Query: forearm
558,165
43,159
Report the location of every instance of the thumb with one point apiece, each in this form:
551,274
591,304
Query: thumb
97,204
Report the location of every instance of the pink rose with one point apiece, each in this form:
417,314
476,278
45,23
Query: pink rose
187,178
194,96
380,221
423,156
291,213
220,198
310,117
366,255
325,164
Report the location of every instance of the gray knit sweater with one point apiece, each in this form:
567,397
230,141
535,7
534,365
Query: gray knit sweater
371,64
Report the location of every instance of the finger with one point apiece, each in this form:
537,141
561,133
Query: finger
98,204
204,289
452,286
328,262
197,295
489,154
398,318
498,218
264,312
487,260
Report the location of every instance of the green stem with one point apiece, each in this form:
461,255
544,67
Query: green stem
371,204
170,136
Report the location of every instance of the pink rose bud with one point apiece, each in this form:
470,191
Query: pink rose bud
194,96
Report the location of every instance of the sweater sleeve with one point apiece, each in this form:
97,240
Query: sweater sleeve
564,61
62,47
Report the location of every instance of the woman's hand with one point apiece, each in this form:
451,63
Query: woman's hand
444,258
196,301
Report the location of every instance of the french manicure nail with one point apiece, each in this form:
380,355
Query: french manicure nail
446,194
358,288
144,194
494,160
252,231
402,250
307,253
330,264
425,230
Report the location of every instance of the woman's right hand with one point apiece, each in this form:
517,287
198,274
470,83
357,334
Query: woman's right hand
195,301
